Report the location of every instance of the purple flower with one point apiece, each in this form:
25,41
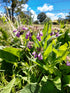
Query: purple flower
57,34
18,34
36,55
25,28
15,30
52,33
29,34
41,34
33,53
38,37
30,44
40,56
68,63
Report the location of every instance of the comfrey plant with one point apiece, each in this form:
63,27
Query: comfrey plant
68,61
19,31
44,61
29,39
55,31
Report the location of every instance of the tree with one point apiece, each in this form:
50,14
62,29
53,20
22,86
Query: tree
41,17
68,17
14,4
36,22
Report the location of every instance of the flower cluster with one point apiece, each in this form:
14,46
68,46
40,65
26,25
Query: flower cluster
36,55
68,63
39,35
29,34
54,32
19,31
30,44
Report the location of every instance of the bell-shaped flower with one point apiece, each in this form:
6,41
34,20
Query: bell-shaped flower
18,34
30,44
57,34
52,33
68,63
40,56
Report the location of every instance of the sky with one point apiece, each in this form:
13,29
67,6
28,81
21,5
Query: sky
52,8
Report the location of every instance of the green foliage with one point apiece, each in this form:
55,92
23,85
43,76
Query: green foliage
22,73
8,88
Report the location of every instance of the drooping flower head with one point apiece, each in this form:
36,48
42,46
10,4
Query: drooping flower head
68,63
39,35
18,34
30,44
25,28
57,34
52,33
40,56
29,35
36,55
15,30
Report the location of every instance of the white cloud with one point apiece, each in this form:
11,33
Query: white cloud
45,8
52,16
56,16
29,8
34,15
62,15
24,7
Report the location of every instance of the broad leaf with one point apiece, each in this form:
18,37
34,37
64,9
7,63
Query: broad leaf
8,88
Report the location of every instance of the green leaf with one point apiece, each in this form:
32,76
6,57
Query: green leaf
57,82
48,86
63,47
48,51
66,80
14,51
9,57
45,86
8,88
30,88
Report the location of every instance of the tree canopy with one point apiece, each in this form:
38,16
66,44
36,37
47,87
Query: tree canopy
14,4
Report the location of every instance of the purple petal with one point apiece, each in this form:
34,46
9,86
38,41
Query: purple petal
40,56
26,37
30,38
30,44
37,36
29,47
52,33
34,53
28,33
57,34
68,63
18,34
25,28
39,39
41,34
15,30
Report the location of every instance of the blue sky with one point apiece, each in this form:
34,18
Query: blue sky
52,8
